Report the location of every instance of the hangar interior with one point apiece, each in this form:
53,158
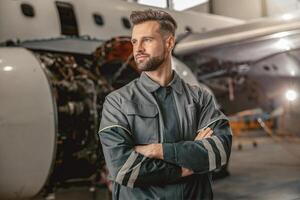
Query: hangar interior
60,59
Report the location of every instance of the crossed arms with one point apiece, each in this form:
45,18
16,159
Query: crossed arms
158,164
156,150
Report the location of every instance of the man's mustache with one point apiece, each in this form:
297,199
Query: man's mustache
139,55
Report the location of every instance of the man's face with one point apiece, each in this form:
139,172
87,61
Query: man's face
149,49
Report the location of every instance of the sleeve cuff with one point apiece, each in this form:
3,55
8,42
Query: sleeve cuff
169,152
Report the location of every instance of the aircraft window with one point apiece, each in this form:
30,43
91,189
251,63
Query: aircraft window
98,19
188,29
67,18
126,23
27,10
267,68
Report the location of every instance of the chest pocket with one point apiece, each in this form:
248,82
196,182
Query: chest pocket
143,120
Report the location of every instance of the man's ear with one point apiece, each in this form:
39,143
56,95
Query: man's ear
170,42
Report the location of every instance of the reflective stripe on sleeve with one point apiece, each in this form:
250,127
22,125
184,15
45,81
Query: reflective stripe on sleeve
221,149
211,155
126,167
134,174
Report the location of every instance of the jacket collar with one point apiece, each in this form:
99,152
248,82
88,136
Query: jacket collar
152,86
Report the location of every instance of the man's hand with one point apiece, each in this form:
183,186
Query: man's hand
186,172
206,133
150,150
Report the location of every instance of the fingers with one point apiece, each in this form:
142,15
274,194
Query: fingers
186,172
137,149
204,134
207,133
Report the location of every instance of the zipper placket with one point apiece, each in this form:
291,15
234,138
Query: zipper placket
177,116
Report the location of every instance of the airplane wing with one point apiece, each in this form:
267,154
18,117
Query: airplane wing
247,66
276,27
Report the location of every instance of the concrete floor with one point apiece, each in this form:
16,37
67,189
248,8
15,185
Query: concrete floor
269,171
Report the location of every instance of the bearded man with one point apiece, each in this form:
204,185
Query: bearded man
161,137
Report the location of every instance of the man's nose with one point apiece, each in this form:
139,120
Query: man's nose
140,47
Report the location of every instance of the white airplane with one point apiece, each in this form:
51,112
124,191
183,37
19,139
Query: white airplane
100,19
52,86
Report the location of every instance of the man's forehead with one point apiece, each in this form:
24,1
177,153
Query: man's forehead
148,28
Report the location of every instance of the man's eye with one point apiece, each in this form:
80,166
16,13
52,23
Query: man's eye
148,40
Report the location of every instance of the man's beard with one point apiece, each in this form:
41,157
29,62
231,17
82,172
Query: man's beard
152,64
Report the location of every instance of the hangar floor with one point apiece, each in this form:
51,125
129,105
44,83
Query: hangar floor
271,170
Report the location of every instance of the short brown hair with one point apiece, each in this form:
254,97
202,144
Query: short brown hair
165,20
